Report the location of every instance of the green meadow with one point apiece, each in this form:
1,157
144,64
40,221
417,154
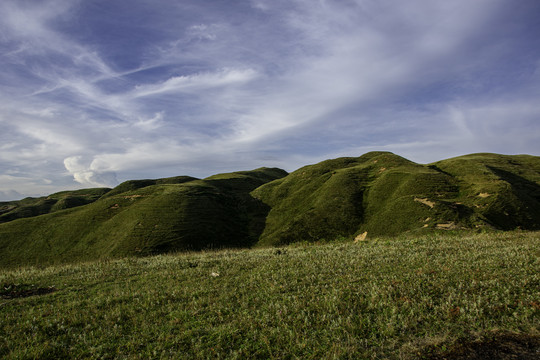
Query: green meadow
451,295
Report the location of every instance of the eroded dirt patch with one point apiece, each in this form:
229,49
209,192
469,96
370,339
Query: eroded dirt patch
425,201
131,197
447,226
492,347
15,291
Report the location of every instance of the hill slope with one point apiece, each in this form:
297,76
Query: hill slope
12,210
385,194
144,217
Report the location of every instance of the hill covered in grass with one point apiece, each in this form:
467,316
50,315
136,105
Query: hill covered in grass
384,194
376,194
144,217
28,207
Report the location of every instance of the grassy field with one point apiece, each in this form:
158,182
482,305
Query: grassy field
435,296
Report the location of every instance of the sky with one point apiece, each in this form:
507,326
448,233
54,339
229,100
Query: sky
96,92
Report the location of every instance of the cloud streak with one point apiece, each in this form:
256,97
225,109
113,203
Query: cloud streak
98,92
195,83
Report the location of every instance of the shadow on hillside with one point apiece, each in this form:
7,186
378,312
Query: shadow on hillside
438,169
523,187
15,291
495,347
211,222
524,213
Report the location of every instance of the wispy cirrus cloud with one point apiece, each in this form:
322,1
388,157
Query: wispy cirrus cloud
95,92
195,82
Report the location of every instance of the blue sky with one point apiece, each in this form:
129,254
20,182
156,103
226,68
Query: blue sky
96,92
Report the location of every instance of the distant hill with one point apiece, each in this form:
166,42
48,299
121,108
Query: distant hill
29,207
379,193
144,217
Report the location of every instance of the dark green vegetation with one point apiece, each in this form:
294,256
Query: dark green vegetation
436,296
144,217
384,194
379,193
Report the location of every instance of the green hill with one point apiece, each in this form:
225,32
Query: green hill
131,185
384,194
144,217
379,193
29,207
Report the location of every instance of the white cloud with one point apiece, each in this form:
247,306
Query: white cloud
89,173
196,82
260,4
203,32
353,59
50,135
152,123
29,25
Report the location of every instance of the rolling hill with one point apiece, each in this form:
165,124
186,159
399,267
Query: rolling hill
144,217
384,194
379,193
30,207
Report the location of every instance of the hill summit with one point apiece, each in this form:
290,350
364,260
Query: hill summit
378,193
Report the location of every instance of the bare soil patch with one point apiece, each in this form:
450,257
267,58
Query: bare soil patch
447,226
131,197
425,201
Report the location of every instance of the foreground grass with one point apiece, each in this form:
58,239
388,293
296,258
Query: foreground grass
388,298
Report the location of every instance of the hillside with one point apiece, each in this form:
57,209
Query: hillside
12,210
384,194
144,217
379,193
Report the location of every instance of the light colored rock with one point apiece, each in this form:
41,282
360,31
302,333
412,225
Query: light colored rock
361,237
